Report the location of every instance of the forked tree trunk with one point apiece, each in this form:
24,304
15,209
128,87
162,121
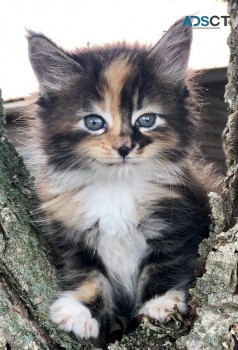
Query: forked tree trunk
28,280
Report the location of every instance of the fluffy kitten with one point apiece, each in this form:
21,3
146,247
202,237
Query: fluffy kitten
126,204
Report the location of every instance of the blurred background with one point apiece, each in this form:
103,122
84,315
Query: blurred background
75,23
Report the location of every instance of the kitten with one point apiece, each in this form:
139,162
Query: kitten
126,204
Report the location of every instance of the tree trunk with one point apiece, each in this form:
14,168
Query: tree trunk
28,279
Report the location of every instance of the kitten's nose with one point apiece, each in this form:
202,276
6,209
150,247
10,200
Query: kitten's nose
124,151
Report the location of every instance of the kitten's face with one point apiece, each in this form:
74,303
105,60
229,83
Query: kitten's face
115,106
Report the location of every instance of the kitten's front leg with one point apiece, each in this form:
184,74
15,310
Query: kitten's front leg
84,305
169,266
86,309
162,288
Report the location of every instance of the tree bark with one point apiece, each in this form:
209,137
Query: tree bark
28,279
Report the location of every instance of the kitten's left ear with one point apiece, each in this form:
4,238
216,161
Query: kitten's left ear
172,51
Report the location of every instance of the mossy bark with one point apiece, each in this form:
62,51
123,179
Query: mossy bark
28,280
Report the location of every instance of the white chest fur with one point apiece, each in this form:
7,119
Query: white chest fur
117,204
117,209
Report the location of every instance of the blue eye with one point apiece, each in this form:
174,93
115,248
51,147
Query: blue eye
146,120
94,122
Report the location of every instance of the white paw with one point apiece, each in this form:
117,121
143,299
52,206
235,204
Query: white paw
161,308
72,316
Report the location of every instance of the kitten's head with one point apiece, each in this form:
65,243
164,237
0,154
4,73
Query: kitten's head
114,106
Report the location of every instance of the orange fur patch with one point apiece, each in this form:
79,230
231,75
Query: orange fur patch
60,207
87,292
102,146
115,77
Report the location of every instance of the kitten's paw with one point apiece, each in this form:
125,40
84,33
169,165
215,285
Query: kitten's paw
161,308
72,316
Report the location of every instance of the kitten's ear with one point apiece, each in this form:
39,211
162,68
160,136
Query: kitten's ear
172,51
52,66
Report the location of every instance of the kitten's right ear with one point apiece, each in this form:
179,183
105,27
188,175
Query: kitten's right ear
50,63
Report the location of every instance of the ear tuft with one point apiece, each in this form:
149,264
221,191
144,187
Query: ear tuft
172,51
51,64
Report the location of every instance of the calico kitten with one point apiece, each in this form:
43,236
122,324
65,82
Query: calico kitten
126,204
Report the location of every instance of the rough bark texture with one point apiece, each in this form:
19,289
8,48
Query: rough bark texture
28,280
